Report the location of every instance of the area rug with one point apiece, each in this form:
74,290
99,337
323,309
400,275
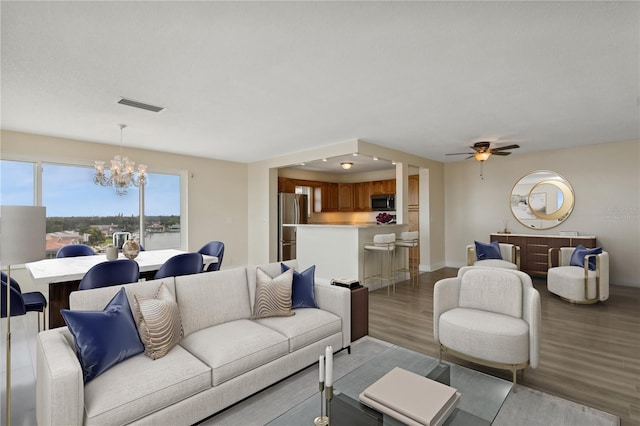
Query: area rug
523,408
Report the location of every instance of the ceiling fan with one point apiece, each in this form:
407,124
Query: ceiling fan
483,151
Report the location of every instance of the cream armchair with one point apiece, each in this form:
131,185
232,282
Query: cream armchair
489,316
579,284
510,257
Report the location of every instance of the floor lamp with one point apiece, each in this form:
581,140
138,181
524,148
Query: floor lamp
22,240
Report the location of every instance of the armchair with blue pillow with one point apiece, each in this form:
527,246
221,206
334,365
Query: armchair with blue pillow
494,255
581,276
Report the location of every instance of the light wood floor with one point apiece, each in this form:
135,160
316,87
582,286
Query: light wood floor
589,354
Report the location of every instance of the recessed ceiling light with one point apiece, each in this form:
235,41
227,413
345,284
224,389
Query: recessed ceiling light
324,159
393,162
375,158
355,154
303,164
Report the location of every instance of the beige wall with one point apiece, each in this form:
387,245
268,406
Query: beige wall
604,177
216,197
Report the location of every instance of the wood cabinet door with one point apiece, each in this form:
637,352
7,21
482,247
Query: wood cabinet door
286,185
345,196
389,186
414,191
377,187
329,197
362,196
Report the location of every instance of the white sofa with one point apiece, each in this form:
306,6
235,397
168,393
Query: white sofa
224,357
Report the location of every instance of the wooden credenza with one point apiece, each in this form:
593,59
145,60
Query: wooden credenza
534,249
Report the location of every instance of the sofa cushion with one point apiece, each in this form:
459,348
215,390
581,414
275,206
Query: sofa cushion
307,326
273,295
235,347
303,289
485,335
140,386
104,338
491,289
271,269
159,323
577,258
212,298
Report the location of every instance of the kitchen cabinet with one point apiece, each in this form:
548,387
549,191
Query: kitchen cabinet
329,197
534,249
286,185
383,186
414,191
362,196
345,197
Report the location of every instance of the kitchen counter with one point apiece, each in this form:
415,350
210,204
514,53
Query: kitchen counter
337,249
351,225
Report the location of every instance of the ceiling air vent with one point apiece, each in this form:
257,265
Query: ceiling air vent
141,105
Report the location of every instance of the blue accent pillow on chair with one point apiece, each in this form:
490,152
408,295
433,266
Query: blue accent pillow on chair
577,258
104,338
303,294
488,251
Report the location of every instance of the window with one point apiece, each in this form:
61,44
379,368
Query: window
17,183
81,212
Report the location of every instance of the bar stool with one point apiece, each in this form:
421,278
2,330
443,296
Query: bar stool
411,241
383,244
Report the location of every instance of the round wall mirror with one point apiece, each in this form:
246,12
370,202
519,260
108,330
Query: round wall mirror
542,200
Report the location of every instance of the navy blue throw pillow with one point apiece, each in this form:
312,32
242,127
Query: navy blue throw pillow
303,292
577,258
488,251
104,338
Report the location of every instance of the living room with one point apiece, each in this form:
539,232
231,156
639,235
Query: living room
229,179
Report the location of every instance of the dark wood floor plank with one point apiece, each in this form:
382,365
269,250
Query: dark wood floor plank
589,354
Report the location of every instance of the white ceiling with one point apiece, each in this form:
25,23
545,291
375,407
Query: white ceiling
244,81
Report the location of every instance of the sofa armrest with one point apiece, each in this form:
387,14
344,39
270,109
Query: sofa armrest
446,294
60,387
531,314
336,300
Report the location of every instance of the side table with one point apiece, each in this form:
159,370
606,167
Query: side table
359,312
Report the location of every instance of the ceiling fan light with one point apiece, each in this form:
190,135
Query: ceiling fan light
346,165
481,156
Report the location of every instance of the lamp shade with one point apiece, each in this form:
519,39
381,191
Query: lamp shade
22,234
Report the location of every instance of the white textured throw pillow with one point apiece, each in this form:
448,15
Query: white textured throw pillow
159,324
273,295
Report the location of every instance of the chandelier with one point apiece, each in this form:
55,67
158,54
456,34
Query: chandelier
121,173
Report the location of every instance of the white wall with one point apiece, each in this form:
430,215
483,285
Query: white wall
604,177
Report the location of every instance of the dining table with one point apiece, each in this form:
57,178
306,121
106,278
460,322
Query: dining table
63,275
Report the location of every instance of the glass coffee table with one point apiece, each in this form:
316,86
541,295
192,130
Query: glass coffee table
481,398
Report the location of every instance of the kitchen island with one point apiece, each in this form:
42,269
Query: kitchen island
337,250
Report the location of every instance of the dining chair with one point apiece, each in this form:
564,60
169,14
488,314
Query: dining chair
181,264
213,248
112,272
21,303
74,250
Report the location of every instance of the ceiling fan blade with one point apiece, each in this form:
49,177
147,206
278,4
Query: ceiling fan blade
471,156
502,148
461,153
503,153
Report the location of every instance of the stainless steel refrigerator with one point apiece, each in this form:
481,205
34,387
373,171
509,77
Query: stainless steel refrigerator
292,209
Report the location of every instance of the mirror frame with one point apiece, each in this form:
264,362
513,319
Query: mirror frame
558,216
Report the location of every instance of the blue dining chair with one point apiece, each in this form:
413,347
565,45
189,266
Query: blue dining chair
180,264
213,248
74,250
112,272
21,303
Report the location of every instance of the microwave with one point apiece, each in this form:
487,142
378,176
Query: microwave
383,202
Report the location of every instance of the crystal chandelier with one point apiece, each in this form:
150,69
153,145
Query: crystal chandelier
121,173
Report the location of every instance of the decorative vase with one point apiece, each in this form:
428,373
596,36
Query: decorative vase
112,252
130,249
